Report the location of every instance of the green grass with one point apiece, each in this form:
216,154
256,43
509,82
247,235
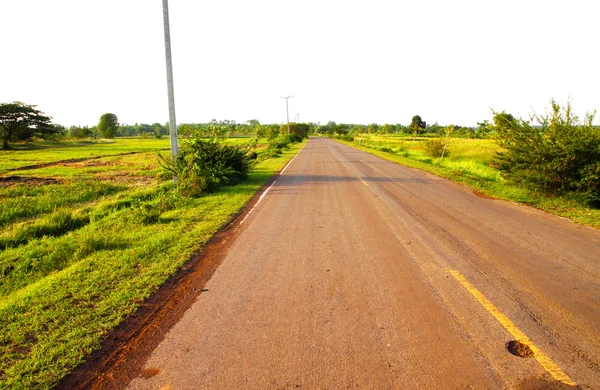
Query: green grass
27,154
87,256
468,163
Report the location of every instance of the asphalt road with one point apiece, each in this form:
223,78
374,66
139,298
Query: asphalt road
354,272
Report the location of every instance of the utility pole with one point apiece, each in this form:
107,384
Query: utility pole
298,118
172,123
287,111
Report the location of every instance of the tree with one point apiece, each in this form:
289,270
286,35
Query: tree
417,125
20,121
109,123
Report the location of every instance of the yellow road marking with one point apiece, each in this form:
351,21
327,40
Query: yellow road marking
542,358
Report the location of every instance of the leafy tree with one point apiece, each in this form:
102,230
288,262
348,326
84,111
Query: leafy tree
417,125
80,132
108,126
20,121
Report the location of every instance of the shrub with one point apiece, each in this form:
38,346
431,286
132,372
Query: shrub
561,155
205,165
281,142
435,147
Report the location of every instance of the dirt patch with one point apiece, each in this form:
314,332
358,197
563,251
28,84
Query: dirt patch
123,353
66,162
519,349
6,181
150,372
482,195
126,177
90,163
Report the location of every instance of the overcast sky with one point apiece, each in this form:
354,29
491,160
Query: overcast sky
343,61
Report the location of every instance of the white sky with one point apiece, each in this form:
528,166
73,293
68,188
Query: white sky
345,61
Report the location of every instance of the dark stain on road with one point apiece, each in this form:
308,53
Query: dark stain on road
519,349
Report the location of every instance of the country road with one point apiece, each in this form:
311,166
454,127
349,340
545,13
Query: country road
355,272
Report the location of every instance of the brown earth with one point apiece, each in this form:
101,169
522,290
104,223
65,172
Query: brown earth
340,279
6,181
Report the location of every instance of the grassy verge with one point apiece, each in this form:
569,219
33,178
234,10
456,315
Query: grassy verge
468,164
73,273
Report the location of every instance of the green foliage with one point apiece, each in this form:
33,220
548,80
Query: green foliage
205,165
108,126
434,147
561,155
20,121
417,125
299,130
80,132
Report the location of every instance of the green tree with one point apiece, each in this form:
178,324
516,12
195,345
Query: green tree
417,125
20,121
108,126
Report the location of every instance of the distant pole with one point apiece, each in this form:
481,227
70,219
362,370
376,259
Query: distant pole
287,111
298,118
172,123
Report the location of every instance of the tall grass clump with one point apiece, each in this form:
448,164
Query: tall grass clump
561,155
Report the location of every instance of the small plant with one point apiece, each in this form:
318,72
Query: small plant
435,147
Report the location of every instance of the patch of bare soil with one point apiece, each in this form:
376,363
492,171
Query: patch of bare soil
7,181
482,195
126,177
66,162
89,163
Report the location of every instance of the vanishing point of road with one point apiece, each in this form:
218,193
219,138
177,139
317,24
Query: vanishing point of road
355,272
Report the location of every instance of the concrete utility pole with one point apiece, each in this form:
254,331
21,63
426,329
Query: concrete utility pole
298,118
287,111
172,123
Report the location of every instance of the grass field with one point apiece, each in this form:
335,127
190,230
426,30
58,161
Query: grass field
468,163
83,243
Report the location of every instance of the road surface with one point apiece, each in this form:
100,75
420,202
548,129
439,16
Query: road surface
354,272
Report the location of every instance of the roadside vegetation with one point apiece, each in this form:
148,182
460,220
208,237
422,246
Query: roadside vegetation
90,228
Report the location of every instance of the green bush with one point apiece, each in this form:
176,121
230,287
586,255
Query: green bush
205,165
434,147
560,155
